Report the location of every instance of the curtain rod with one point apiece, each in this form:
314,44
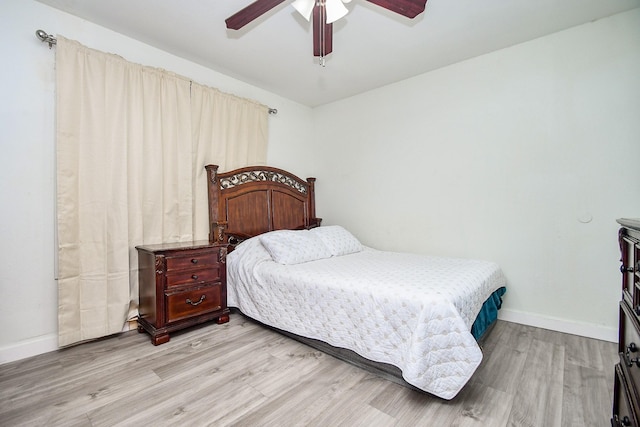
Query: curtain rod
49,38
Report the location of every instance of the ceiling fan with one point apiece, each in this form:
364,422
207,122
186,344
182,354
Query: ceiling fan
324,14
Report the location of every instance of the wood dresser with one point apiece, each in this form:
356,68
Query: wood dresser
181,285
626,396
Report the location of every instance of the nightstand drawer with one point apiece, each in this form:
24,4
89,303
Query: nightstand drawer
181,305
187,277
195,260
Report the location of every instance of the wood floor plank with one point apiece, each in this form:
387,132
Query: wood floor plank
610,357
243,374
583,404
339,404
180,387
55,402
484,406
538,399
505,357
415,408
293,406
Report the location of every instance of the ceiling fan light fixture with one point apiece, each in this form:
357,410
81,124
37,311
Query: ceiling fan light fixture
335,10
304,7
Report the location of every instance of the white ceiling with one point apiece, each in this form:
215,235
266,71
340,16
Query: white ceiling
372,47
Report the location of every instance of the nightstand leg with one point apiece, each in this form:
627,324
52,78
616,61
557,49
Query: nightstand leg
223,319
159,339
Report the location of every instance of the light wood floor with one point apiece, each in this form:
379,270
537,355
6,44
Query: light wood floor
242,374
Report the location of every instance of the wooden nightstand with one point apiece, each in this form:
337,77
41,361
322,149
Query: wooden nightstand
181,285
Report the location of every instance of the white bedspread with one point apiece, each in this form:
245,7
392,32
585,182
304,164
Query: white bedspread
414,312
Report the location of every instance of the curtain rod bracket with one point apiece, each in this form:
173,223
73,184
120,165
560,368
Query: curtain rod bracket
46,38
273,111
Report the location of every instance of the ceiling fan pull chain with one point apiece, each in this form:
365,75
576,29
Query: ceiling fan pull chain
323,27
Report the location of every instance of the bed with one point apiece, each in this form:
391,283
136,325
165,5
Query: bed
413,318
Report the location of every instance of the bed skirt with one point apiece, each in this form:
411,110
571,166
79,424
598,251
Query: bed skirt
488,314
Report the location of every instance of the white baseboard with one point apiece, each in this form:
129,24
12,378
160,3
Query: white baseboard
28,348
561,325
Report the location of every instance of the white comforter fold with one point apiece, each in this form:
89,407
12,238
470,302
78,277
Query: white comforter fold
414,312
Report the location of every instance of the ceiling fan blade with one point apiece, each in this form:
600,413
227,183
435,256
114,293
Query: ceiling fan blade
322,32
251,12
408,8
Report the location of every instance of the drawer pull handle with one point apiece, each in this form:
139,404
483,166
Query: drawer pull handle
188,301
616,421
194,277
632,348
624,269
194,261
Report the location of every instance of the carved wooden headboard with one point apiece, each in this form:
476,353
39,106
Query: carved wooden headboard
250,201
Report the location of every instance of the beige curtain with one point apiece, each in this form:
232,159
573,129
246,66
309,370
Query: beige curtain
131,144
222,117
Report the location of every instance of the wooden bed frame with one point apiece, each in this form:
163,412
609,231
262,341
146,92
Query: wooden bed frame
247,202
253,200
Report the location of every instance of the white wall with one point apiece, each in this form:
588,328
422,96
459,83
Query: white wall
28,290
525,156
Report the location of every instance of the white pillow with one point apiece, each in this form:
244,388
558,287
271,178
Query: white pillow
294,246
338,240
